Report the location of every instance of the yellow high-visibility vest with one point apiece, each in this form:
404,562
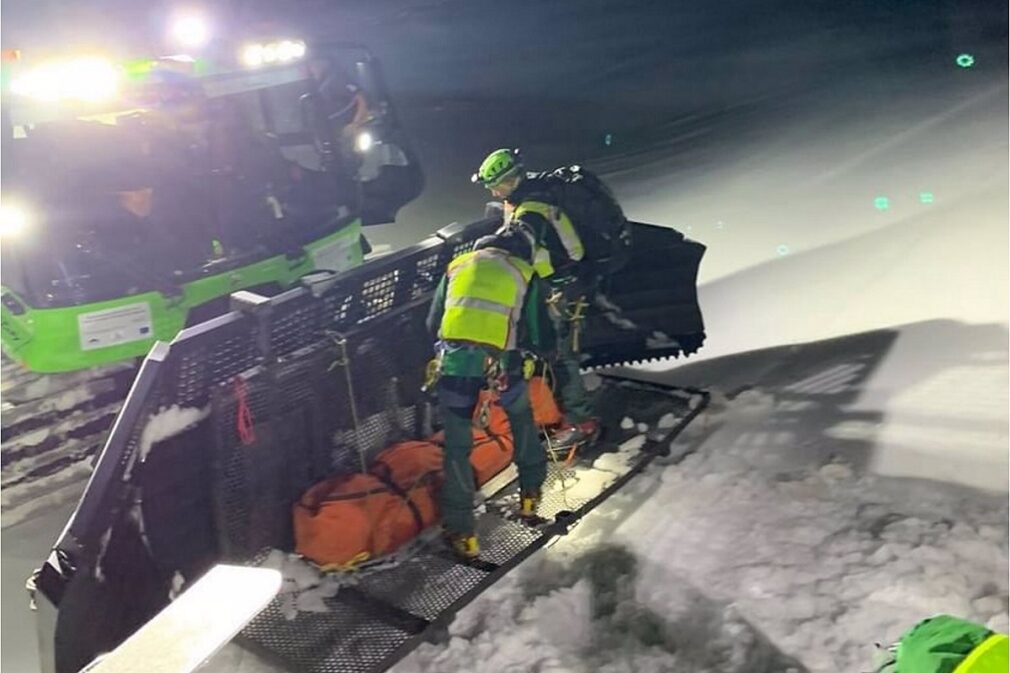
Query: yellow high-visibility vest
484,298
542,262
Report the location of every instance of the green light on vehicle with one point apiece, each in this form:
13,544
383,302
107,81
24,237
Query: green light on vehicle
965,60
138,68
782,250
925,197
881,203
201,66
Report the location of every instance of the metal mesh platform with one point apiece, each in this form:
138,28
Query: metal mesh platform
388,611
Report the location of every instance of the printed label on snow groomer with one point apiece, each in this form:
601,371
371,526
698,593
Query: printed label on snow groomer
113,326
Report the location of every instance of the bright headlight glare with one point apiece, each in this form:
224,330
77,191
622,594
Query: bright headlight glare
14,219
92,79
364,141
89,79
268,53
286,50
190,31
252,55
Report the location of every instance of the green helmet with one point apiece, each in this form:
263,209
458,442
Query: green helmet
498,165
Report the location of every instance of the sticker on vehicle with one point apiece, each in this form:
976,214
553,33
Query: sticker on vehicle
113,326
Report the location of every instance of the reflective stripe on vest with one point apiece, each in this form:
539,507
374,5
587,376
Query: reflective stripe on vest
484,298
990,656
564,228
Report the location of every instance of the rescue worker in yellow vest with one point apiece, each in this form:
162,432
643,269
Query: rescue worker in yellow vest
484,311
558,252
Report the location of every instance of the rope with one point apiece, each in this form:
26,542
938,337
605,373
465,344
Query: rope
576,312
561,471
495,384
348,566
244,424
345,362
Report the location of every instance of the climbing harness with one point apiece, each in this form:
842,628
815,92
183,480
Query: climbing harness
574,312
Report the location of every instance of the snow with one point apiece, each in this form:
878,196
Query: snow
168,423
304,588
666,421
164,424
742,557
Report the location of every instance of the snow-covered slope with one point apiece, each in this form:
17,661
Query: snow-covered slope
935,274
870,348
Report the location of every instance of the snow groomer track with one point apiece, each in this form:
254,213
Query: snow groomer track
226,427
53,427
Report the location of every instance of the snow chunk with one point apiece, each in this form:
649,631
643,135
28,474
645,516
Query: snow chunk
165,424
667,421
633,445
989,605
660,340
999,623
835,472
178,582
642,427
627,423
304,587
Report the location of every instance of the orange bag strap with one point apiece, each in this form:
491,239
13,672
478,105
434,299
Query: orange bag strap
314,505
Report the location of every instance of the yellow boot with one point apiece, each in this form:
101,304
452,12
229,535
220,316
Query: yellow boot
464,545
528,502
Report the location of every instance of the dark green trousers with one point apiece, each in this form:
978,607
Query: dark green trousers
457,398
573,398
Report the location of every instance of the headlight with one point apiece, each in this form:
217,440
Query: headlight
89,79
258,54
190,31
14,219
252,55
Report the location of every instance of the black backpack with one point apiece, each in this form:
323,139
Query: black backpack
595,214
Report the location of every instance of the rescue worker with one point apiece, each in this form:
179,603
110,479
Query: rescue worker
946,644
484,310
558,251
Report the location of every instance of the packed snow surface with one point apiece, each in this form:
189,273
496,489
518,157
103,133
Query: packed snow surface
740,558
